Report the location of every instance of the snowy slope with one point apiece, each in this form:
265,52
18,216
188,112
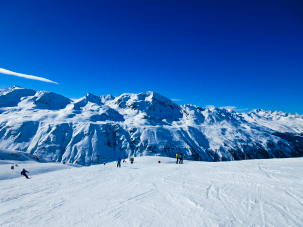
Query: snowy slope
16,156
22,160
239,193
55,128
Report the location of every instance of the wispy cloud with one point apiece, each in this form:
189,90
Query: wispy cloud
228,107
241,109
176,100
7,72
234,108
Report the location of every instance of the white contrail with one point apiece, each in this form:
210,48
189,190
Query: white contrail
7,72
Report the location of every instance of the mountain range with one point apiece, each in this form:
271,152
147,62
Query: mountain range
96,129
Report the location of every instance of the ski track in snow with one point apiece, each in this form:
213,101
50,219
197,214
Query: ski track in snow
239,193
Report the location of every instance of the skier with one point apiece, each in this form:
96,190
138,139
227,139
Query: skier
24,173
181,158
119,162
177,157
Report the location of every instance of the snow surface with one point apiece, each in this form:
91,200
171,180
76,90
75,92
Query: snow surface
146,193
15,158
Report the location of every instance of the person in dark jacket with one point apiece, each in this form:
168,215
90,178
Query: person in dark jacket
119,162
132,160
181,157
24,173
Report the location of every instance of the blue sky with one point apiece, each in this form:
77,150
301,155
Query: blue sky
246,54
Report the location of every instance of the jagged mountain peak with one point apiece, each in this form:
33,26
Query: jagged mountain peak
210,116
50,100
260,112
10,97
149,96
191,106
150,105
12,89
92,98
17,87
272,114
155,97
88,98
105,98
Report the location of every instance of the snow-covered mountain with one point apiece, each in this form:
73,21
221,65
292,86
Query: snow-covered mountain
56,128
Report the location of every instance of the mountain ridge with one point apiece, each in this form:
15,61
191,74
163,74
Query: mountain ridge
55,128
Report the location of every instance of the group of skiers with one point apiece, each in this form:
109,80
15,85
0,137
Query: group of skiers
179,158
124,161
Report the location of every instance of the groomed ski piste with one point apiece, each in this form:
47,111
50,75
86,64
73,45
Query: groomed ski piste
147,193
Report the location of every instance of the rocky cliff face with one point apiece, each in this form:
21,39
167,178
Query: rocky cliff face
56,128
